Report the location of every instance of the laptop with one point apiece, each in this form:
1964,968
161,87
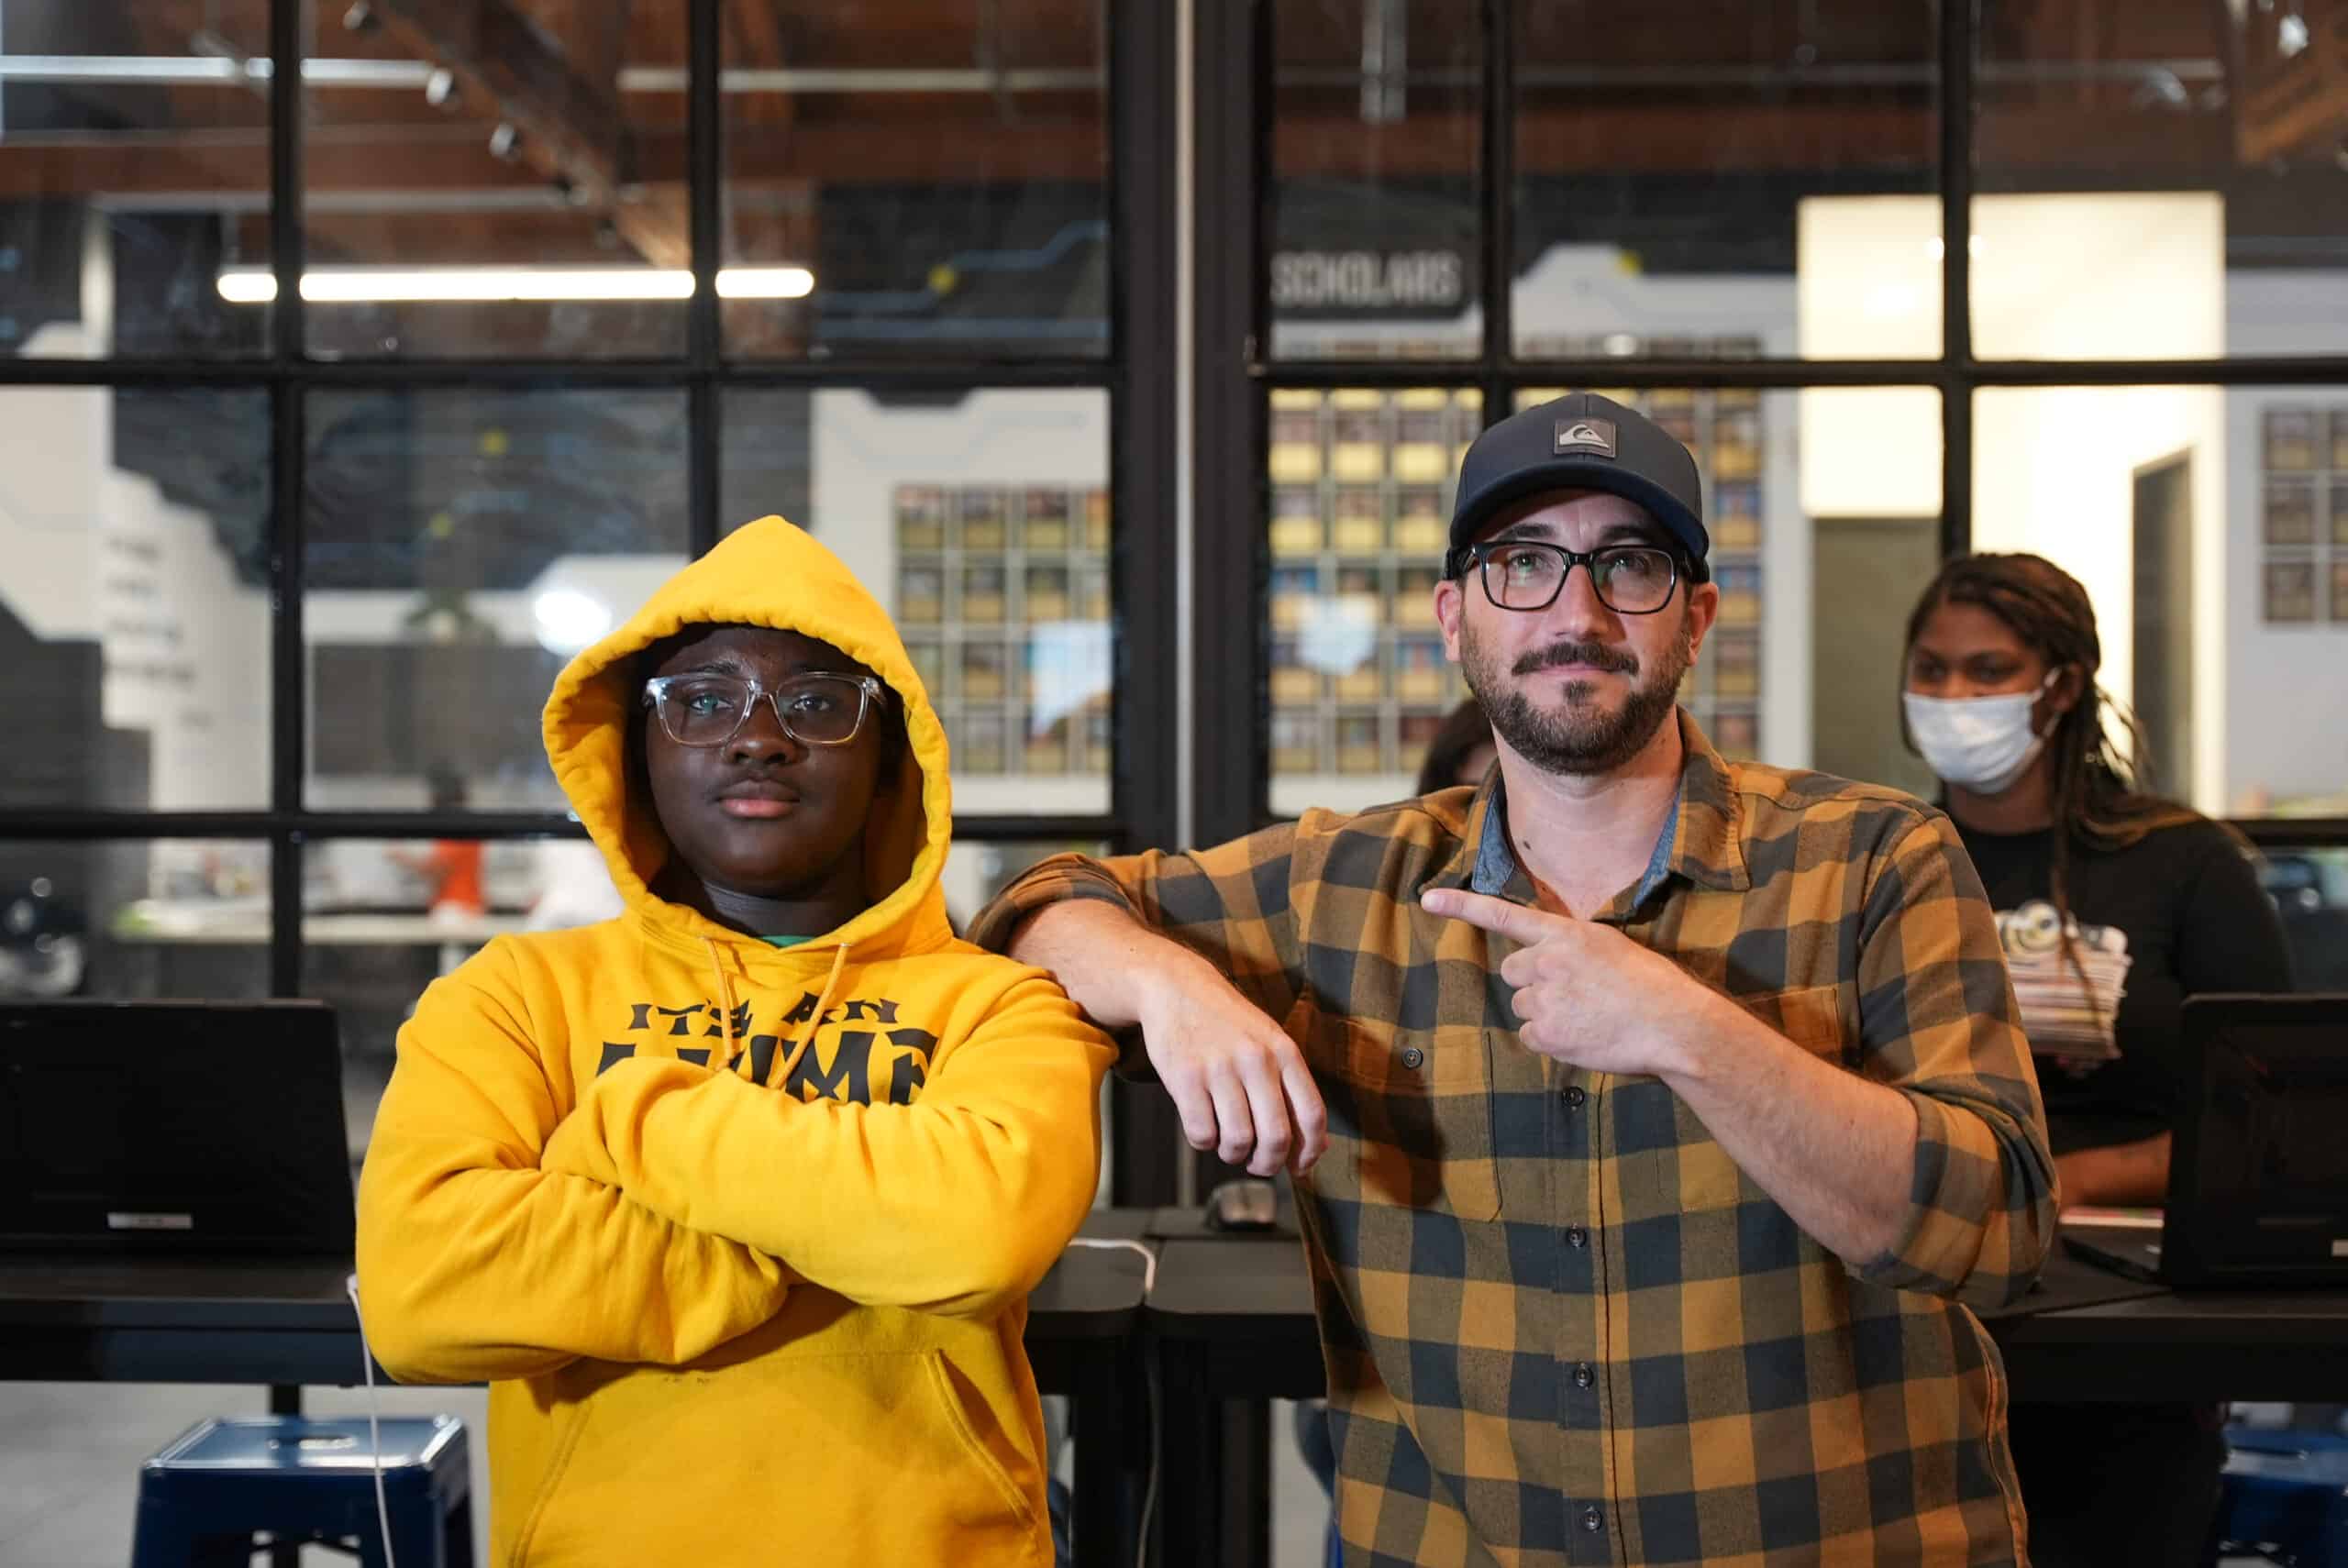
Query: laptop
2258,1174
209,1131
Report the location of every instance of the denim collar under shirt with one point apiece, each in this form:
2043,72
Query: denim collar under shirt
1495,865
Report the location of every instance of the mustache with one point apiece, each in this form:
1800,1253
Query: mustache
1597,655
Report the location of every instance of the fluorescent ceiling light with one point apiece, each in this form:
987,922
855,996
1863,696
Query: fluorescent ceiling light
258,285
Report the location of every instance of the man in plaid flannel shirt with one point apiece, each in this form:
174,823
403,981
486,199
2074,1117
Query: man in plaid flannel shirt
1674,1111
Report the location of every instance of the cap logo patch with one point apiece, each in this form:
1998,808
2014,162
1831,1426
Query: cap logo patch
1585,436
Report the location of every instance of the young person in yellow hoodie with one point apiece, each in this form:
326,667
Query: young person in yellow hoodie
736,1200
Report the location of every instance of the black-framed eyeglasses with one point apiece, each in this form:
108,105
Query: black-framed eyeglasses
814,709
1527,575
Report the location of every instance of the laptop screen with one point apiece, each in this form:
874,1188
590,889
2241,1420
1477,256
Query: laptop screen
2259,1174
180,1128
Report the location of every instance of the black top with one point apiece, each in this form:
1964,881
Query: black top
2195,920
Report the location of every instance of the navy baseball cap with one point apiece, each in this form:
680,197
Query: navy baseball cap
1581,441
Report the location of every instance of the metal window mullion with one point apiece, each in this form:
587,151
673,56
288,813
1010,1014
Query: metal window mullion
1958,37
288,705
705,173
1231,50
1144,339
1498,192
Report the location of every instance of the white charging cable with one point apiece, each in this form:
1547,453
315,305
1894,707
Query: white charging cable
1149,1283
1119,1244
375,1419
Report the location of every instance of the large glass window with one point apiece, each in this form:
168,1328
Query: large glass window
459,546
1669,178
1822,532
2146,189
134,172
481,184
1361,483
320,596
133,919
134,601
383,918
1376,237
2161,184
903,180
980,521
2210,525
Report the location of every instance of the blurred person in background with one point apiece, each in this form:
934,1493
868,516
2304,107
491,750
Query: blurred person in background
1461,751
2114,905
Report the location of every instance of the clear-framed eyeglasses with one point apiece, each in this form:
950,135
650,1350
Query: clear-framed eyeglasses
1528,575
814,709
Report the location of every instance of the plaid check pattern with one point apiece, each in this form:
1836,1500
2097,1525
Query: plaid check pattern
1561,1326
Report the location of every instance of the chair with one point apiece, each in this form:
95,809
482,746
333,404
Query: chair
2286,1496
204,1496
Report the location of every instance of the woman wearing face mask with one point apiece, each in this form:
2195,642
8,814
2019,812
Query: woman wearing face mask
2116,905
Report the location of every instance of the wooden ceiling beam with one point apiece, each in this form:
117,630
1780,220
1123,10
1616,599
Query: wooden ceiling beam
569,126
1623,138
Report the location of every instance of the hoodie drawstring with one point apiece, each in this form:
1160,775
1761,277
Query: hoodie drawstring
823,999
725,1000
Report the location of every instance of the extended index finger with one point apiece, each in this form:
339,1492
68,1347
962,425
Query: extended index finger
1498,916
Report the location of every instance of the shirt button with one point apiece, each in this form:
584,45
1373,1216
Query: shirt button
1412,1056
1585,1375
1575,1095
1577,1237
1592,1520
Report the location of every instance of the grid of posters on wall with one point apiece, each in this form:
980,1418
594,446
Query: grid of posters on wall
1362,482
1003,599
1361,489
2303,526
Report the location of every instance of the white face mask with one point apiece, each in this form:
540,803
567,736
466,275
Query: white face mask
1981,744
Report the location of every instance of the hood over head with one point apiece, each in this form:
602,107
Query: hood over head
765,573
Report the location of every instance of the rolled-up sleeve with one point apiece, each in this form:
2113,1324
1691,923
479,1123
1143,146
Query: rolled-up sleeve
1234,905
1937,1022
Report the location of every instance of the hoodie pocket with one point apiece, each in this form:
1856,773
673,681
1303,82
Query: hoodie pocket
876,1456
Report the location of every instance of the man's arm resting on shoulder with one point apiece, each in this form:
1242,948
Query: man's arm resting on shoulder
1238,1082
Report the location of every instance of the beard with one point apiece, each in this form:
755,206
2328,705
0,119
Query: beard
1580,737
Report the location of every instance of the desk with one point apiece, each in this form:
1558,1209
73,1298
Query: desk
240,923
1232,1324
287,1325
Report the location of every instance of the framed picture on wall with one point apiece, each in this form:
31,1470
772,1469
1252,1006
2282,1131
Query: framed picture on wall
2339,512
1737,515
1736,734
2340,438
2291,438
986,519
2340,591
921,590
2290,511
1043,520
921,517
2290,592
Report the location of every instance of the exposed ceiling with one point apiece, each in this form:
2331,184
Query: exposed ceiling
884,141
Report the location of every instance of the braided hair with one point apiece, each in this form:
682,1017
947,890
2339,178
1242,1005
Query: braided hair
2099,800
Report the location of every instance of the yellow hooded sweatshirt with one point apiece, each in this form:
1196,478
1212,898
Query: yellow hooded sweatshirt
741,1237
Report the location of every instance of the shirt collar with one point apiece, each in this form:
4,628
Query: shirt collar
1699,841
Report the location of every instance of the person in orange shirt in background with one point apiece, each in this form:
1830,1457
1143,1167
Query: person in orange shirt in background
453,865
